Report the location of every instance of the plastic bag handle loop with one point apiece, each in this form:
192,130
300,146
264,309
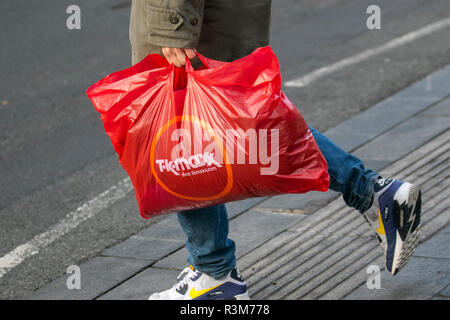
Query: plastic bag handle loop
190,68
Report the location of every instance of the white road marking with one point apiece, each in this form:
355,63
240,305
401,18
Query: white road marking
366,54
69,222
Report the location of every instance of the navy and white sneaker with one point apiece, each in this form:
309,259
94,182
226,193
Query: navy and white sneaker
196,285
395,216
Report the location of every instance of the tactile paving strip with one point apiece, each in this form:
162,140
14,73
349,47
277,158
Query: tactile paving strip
325,255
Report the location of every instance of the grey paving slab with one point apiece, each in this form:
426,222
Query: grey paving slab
143,248
363,127
165,237
446,291
249,230
177,260
143,284
403,139
441,109
255,227
376,165
433,87
98,275
237,207
307,202
420,279
436,247
166,229
169,228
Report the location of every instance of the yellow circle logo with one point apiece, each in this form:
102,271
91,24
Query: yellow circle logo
203,181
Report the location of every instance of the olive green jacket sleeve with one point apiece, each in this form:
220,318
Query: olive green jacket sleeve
168,23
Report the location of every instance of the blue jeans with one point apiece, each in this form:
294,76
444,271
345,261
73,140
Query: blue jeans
210,249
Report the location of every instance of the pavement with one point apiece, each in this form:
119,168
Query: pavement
311,246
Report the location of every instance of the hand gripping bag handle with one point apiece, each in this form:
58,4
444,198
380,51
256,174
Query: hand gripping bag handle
207,63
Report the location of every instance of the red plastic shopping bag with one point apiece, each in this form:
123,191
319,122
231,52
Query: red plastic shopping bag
193,138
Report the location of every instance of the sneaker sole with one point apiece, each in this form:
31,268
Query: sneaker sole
408,211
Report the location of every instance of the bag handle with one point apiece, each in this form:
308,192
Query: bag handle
207,62
202,59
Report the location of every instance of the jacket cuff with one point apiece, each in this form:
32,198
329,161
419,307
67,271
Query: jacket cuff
175,27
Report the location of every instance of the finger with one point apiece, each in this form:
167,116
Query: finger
170,59
180,57
176,61
190,53
167,54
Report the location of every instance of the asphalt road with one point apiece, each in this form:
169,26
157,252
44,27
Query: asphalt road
54,155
